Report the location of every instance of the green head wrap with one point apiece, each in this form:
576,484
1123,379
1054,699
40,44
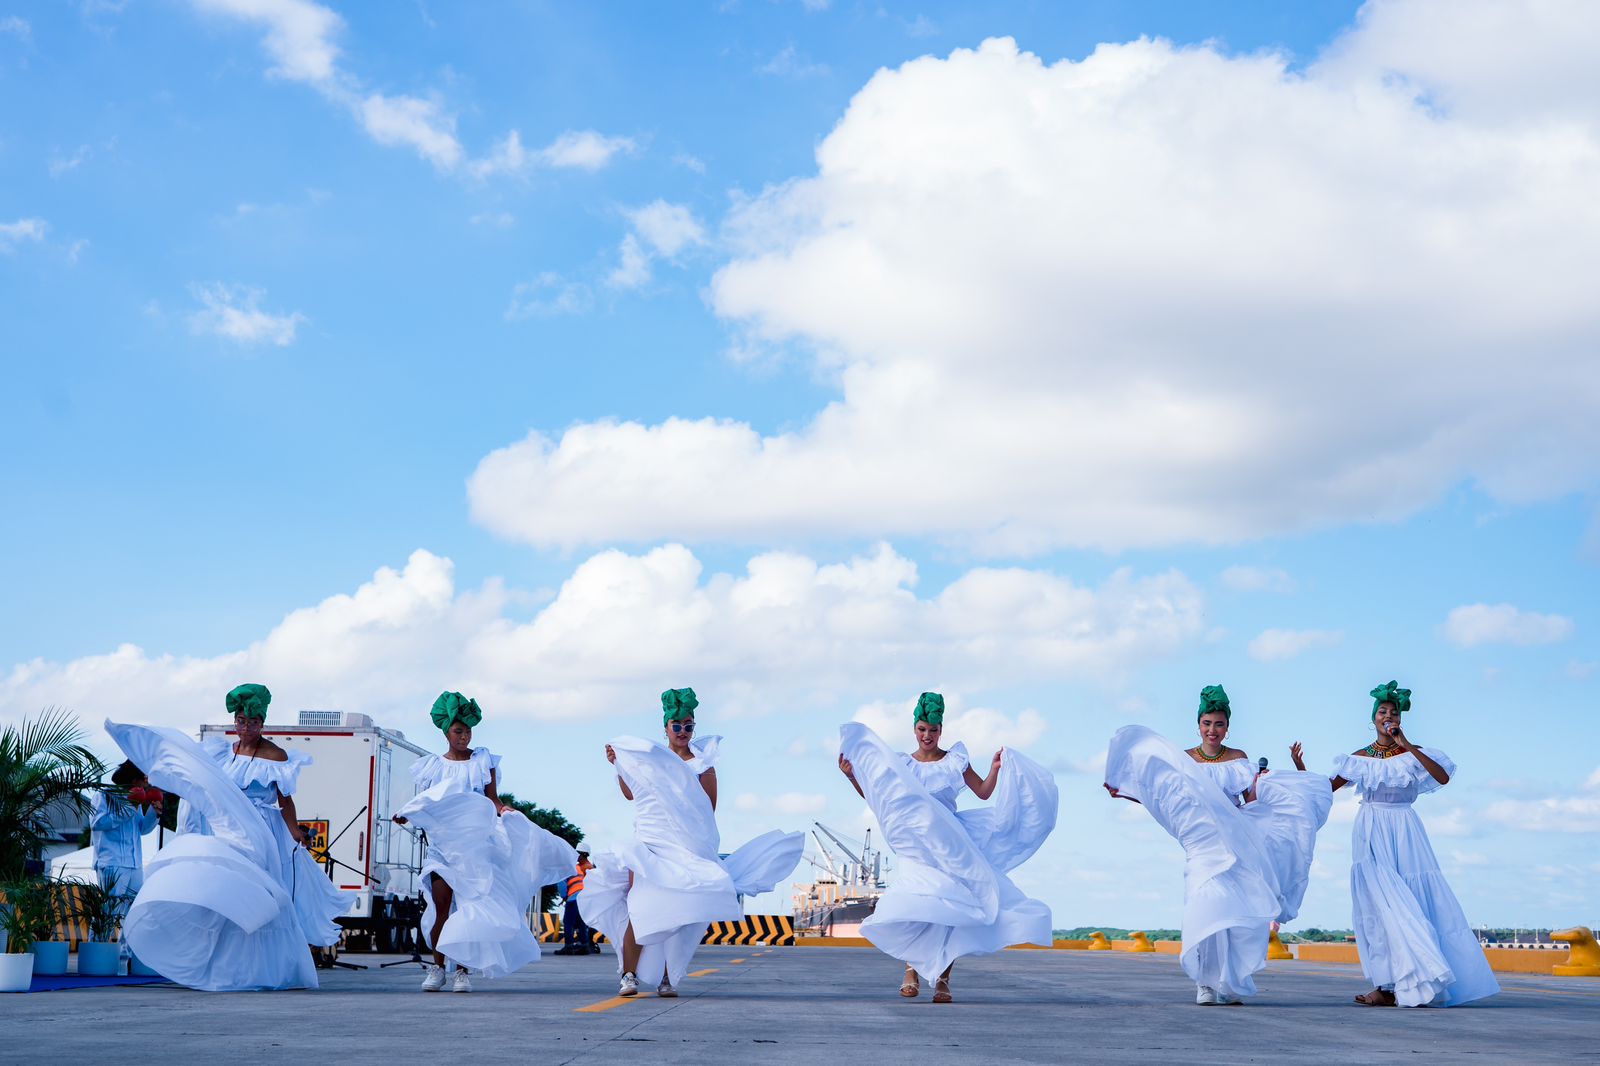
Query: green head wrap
677,704
453,707
930,709
1213,700
1390,693
250,701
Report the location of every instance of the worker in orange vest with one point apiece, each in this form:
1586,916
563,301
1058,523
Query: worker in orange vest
579,939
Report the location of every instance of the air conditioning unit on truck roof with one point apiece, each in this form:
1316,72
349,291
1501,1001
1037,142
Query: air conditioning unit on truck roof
361,774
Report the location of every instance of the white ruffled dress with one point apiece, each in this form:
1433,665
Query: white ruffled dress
1410,931
951,895
679,883
1243,868
494,864
317,900
216,912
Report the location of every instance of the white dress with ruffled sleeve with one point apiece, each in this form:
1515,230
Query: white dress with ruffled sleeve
317,901
950,895
217,911
1411,933
495,864
1245,865
679,884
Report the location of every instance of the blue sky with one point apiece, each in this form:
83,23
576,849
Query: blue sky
814,354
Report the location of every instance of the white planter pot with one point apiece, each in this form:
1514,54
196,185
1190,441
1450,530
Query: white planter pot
16,972
50,957
96,959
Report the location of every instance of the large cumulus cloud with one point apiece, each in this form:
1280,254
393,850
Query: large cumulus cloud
1157,295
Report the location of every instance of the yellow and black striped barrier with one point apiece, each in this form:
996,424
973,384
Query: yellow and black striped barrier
752,929
775,929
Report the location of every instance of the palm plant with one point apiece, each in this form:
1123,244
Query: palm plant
44,767
100,906
27,914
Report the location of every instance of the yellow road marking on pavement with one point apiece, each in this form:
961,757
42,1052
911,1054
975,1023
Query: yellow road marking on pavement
734,962
701,973
604,1004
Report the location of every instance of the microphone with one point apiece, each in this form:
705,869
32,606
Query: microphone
1261,765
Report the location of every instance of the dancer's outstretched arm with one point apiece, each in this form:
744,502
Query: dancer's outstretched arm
850,773
611,757
983,787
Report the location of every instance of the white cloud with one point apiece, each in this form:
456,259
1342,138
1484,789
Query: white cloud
15,26
977,278
299,34
234,313
417,123
633,265
667,228
982,729
497,219
1257,579
1275,644
659,230
300,37
1592,782
23,229
60,165
789,63
585,150
1481,623
1571,814
575,149
546,296
786,629
789,803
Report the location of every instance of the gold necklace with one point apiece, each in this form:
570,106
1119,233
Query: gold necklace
1201,751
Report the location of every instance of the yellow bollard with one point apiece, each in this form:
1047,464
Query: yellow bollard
1584,959
1276,948
1098,942
1140,942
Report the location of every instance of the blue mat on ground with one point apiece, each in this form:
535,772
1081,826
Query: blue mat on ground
72,980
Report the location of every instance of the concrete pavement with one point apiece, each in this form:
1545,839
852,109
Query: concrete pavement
807,1005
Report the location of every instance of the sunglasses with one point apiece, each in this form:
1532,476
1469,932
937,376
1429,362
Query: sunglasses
682,727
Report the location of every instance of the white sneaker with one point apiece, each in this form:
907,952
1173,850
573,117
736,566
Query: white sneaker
665,990
433,980
1225,1000
630,984
461,983
1206,996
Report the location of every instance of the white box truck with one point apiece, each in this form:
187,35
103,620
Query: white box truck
360,777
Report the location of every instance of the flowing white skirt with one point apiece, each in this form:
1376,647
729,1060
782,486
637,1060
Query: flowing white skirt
1410,930
1290,808
951,896
670,894
1231,889
495,865
211,914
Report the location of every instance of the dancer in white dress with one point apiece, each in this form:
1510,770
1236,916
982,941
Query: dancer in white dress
655,896
1248,840
486,861
232,902
1413,938
951,896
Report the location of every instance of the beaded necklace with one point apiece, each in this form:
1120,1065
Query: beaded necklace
1379,751
1200,751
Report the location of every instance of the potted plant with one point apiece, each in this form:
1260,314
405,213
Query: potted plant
101,907
19,921
51,909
